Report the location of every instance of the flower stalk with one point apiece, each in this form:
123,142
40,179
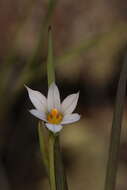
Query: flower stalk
52,175
54,144
53,114
61,181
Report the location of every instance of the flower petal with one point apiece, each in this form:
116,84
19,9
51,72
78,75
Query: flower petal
71,118
54,128
38,114
70,103
38,99
53,97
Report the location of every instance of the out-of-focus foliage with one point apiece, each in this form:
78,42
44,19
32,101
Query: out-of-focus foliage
90,40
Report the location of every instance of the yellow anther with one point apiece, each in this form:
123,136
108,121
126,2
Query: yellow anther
54,117
54,112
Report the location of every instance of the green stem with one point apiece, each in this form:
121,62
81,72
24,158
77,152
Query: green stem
61,181
56,170
112,164
52,162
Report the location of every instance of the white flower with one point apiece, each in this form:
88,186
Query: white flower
51,110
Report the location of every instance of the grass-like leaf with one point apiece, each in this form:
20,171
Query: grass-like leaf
112,164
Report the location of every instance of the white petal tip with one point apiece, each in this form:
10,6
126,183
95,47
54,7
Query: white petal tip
70,102
38,100
72,118
27,87
78,94
53,97
79,117
54,128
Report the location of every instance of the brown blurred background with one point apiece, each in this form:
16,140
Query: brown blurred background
90,42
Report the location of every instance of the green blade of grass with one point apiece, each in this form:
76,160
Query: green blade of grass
51,78
50,64
112,165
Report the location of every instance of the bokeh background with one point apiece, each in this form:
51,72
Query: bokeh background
90,42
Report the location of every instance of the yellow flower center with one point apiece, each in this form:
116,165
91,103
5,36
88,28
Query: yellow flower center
54,117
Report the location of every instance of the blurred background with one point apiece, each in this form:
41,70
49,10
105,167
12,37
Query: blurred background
90,42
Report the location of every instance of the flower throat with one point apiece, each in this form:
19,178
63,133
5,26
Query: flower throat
54,117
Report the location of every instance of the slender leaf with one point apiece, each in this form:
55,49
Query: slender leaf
112,164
